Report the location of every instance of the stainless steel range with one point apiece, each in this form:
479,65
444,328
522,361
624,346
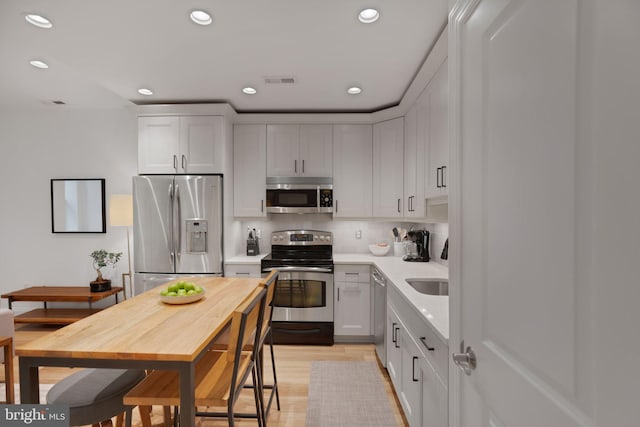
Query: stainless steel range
303,304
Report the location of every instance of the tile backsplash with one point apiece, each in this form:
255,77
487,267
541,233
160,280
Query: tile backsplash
345,233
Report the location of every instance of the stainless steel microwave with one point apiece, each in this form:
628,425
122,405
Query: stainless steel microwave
299,195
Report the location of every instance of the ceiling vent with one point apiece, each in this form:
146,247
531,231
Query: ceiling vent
278,80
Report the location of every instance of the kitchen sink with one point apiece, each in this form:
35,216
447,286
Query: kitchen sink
430,286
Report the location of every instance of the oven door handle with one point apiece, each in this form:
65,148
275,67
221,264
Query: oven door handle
299,269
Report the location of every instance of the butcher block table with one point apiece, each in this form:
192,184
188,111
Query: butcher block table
58,316
140,333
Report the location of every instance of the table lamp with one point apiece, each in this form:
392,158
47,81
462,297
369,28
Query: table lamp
121,215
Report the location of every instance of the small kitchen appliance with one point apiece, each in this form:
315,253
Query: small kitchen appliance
303,301
421,240
253,245
299,195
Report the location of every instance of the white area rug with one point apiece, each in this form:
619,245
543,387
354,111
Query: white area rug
348,394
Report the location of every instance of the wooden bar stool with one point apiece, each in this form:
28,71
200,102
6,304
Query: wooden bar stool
6,357
7,344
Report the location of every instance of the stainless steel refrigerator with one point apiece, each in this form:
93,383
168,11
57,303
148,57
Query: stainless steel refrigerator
177,228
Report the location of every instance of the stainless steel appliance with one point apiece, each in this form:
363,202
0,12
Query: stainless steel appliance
177,228
299,195
421,240
303,301
379,314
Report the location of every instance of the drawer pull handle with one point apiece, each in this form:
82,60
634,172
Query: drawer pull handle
424,342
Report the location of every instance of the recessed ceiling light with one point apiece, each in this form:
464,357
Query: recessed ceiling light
249,90
354,90
201,17
368,16
39,64
145,91
38,20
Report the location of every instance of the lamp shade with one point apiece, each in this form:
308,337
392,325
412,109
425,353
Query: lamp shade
121,210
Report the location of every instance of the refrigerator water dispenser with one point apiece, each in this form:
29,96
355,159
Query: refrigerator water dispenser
196,236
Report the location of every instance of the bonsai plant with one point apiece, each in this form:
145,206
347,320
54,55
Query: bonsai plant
101,259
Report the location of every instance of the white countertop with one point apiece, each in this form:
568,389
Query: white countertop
245,259
435,309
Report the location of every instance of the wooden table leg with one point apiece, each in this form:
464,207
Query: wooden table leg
29,381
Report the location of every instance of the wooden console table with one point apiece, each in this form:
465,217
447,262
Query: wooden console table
58,316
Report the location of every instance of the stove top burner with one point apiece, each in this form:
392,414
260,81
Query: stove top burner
300,248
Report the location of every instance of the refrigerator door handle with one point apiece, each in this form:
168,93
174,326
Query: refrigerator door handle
170,241
178,242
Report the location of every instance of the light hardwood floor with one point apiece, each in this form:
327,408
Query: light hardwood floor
293,365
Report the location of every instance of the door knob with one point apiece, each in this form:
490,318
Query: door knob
467,361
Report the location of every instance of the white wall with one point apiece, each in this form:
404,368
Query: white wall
36,146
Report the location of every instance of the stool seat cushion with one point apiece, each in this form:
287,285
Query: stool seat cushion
94,395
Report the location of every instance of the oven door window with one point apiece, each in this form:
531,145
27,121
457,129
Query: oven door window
300,293
292,198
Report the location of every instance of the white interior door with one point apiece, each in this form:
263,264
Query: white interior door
521,273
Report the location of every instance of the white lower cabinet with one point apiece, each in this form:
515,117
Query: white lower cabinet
435,403
242,270
415,365
352,301
394,356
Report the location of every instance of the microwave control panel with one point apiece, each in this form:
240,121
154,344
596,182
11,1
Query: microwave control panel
326,198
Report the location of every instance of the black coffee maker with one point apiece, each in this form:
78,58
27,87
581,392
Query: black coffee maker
421,239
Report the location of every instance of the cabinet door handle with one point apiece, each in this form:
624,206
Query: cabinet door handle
295,166
175,162
393,332
424,342
336,206
396,341
399,205
438,185
338,294
302,165
444,169
413,369
184,161
262,206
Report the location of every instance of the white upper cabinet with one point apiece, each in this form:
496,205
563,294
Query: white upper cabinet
352,170
316,150
388,176
299,150
249,170
180,144
283,150
413,201
435,104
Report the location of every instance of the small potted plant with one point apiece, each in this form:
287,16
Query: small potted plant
101,259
